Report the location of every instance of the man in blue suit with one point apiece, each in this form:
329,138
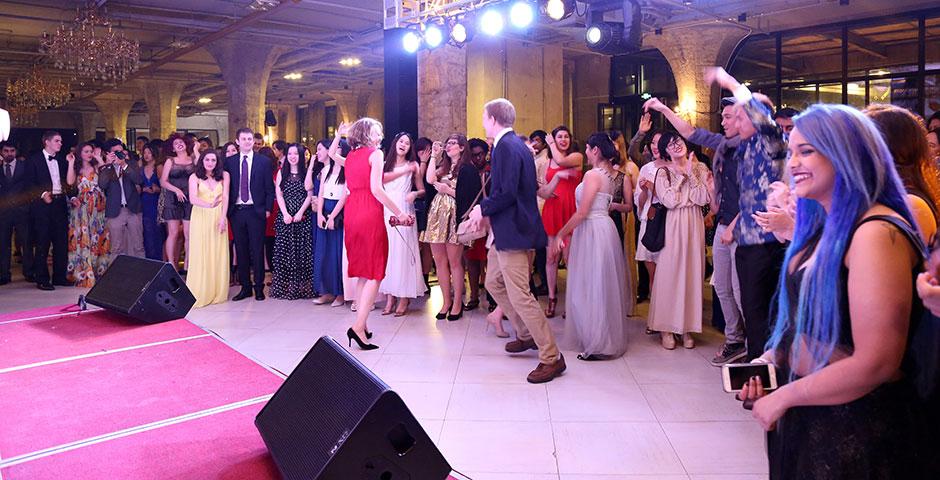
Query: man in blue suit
250,201
516,230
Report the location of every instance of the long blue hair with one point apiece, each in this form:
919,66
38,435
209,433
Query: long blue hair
864,176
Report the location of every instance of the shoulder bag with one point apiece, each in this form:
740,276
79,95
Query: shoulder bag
654,238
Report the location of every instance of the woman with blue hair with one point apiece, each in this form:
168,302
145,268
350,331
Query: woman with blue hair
845,303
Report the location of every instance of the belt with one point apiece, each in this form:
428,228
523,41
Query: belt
243,206
58,195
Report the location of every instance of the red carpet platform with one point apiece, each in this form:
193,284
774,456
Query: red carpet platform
95,396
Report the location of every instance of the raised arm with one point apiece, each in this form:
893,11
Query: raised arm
682,126
70,175
375,184
571,160
334,147
634,150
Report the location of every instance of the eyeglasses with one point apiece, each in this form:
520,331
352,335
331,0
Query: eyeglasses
675,144
452,142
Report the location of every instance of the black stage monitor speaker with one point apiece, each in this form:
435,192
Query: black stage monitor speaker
333,419
146,290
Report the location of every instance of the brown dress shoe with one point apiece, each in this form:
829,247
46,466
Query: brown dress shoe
519,346
545,373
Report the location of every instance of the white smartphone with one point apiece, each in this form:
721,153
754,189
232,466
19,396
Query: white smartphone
735,375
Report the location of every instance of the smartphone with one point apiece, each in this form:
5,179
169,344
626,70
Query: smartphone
735,375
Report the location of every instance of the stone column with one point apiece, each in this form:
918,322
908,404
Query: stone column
286,123
375,104
347,105
115,107
442,92
591,86
85,124
162,98
246,68
317,121
486,79
689,51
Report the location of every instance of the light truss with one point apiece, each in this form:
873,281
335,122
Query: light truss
405,13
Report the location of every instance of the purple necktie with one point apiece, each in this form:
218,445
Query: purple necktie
243,181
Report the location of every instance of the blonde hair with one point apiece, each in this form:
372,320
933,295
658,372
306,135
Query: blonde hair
502,111
360,133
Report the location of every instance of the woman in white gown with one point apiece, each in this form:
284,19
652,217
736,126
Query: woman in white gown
596,299
403,275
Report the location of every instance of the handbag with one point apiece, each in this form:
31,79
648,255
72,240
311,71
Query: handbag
467,235
654,238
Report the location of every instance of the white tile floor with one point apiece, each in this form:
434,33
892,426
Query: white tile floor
651,415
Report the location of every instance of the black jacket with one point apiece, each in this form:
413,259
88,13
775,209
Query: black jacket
261,186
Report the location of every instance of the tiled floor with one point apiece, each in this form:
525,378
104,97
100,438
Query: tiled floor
651,415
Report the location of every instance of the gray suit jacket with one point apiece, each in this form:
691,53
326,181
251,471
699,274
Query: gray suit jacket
108,182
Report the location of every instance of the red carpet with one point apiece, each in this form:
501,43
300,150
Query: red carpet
68,335
124,379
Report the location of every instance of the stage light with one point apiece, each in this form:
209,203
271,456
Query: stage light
293,76
411,41
593,35
459,33
433,36
204,100
604,37
557,9
521,14
491,22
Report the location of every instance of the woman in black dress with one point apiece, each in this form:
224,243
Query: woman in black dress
174,180
293,267
847,409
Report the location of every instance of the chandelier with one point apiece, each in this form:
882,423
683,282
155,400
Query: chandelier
90,48
29,94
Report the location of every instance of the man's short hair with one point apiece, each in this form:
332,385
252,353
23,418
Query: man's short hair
7,144
728,102
280,145
49,135
242,130
786,112
259,136
502,111
541,134
111,143
479,143
145,139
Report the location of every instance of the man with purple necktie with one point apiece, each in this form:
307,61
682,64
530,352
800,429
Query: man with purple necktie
251,174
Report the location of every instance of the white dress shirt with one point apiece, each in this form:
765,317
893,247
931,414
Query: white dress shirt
238,188
500,135
53,167
120,177
12,164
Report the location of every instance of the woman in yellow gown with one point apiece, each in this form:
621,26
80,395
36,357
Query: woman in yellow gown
208,275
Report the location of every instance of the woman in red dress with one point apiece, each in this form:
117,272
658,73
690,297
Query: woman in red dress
560,207
365,235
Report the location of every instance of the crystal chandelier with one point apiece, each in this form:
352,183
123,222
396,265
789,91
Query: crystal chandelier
29,94
90,48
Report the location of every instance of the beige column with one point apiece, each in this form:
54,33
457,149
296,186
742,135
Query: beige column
486,79
246,68
689,51
85,125
317,121
590,87
115,107
375,103
347,105
162,98
442,92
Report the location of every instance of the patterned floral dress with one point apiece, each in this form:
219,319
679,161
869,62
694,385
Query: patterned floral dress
89,243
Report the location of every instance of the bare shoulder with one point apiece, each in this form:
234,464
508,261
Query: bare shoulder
881,239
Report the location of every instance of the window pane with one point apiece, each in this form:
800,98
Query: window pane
931,95
933,43
883,46
896,91
756,61
830,93
812,55
857,94
799,98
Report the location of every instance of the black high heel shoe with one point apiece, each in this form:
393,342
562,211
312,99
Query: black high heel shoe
351,335
453,318
443,314
368,335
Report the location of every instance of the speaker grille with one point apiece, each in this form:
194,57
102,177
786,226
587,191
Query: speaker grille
125,281
312,414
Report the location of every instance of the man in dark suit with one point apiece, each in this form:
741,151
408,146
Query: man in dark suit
250,201
120,182
516,229
15,188
49,211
